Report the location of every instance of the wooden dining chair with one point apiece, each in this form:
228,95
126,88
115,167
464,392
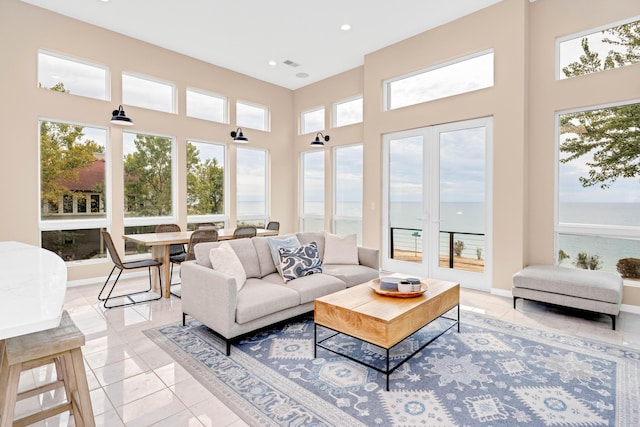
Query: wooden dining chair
177,252
200,236
244,232
131,265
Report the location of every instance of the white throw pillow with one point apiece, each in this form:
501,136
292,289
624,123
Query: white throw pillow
275,243
225,260
340,249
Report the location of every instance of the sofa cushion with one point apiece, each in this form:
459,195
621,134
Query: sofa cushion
225,260
340,249
258,298
307,237
301,261
264,256
202,250
275,243
243,248
351,274
315,286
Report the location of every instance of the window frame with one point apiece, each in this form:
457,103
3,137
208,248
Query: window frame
224,216
302,215
173,108
579,35
63,224
576,229
335,217
107,71
267,115
225,104
154,220
255,218
334,111
387,83
303,127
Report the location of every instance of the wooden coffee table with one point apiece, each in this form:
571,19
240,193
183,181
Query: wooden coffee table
381,320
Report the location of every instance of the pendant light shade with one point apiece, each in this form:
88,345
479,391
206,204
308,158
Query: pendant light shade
119,118
319,142
239,137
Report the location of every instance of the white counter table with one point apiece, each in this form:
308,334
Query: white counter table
33,283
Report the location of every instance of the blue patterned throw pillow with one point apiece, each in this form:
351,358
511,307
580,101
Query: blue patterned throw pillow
301,261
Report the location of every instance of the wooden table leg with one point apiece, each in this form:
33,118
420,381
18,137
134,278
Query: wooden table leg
162,253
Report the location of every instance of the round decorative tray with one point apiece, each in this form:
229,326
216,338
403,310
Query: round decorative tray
375,285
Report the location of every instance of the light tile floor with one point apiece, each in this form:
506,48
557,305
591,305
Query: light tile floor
134,383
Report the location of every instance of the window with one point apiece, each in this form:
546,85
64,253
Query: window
205,181
251,178
146,93
348,190
347,112
72,172
312,121
597,224
598,50
206,106
148,176
63,74
252,116
461,76
312,209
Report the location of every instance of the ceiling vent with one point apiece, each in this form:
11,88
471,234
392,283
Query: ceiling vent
291,63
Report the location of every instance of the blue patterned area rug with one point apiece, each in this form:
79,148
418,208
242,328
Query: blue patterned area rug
491,373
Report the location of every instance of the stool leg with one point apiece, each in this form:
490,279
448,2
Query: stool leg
80,396
9,379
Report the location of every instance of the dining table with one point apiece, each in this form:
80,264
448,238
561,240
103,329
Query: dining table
160,244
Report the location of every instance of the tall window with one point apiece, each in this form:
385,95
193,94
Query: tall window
205,182
598,226
72,76
312,120
312,209
251,179
461,76
72,189
598,50
206,106
147,93
252,116
348,190
347,112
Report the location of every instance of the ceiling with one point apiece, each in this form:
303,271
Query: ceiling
244,35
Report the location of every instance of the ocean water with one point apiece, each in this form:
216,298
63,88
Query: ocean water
468,217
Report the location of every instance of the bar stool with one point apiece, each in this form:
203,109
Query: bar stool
61,346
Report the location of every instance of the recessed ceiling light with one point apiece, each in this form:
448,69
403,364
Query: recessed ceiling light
273,63
345,27
302,75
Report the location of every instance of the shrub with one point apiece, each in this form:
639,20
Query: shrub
458,247
562,255
629,267
479,253
588,262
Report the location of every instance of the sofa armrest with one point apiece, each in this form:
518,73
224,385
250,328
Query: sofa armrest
209,296
369,257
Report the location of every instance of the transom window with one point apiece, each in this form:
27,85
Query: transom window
72,76
453,78
206,106
148,93
597,50
252,116
347,112
312,120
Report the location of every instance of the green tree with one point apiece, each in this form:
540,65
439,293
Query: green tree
147,178
62,153
205,184
610,135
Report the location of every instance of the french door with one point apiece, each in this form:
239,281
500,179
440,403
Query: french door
437,202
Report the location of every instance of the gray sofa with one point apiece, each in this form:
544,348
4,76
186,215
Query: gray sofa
212,298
